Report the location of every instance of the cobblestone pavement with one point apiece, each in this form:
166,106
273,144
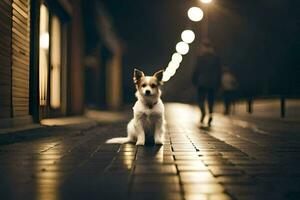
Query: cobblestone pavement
234,159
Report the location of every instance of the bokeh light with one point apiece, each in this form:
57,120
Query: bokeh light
166,77
182,48
177,57
170,70
168,73
195,14
188,36
206,1
173,65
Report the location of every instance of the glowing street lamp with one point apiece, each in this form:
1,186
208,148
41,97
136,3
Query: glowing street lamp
166,76
168,73
195,14
171,69
176,57
206,1
188,36
173,65
182,48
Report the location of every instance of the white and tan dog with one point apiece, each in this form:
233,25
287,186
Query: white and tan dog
147,125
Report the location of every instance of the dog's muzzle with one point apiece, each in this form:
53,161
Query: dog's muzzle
148,92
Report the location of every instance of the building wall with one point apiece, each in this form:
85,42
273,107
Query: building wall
14,58
5,58
113,79
19,78
20,57
14,62
76,71
103,57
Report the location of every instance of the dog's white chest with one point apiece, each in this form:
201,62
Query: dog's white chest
148,120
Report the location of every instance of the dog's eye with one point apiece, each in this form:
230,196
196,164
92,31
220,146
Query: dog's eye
153,85
144,85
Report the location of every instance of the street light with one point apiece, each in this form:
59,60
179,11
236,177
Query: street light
173,65
206,1
176,57
166,76
169,72
195,14
188,36
182,48
205,23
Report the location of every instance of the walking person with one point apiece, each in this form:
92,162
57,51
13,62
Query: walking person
229,88
207,78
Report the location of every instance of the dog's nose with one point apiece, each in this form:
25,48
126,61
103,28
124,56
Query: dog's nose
147,92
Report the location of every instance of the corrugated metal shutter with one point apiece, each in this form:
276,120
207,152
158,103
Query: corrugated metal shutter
5,58
20,57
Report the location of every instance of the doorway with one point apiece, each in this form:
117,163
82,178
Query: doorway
52,65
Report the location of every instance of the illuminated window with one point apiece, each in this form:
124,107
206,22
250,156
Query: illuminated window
43,54
55,82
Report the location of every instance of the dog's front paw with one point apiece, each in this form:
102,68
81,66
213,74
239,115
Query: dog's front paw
140,143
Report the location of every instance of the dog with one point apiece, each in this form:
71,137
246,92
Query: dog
147,125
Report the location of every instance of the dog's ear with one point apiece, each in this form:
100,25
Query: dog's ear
159,76
137,75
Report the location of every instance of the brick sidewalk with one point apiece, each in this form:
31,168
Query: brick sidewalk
228,161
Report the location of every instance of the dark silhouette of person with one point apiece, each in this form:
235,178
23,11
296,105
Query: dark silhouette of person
207,78
229,87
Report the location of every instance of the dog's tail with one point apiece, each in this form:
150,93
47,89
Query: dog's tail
118,140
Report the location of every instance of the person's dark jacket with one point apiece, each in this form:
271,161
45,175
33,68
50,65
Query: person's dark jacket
207,71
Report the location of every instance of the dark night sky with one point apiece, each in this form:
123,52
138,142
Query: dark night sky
149,29
258,39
